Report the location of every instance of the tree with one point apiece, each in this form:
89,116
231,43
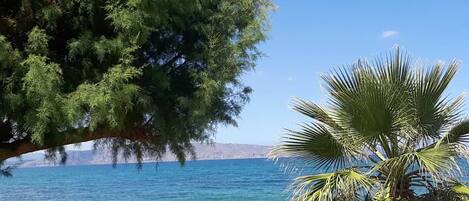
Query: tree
388,129
138,76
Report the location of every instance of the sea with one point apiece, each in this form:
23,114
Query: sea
220,180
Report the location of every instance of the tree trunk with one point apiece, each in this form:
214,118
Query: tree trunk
17,148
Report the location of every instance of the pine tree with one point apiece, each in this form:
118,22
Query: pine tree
137,76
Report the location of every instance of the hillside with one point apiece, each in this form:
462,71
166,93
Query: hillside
217,151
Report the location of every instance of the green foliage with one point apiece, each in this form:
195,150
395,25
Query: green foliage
455,191
392,124
339,185
106,102
42,85
37,42
169,68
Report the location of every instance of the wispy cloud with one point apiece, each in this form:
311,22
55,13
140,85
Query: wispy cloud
389,33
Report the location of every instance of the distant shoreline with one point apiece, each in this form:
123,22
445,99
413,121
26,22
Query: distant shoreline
216,151
134,163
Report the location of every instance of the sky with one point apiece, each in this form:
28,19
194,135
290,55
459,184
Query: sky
310,38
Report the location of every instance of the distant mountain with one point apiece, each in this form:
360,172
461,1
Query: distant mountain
217,151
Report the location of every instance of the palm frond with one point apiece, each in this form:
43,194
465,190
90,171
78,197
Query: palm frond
315,112
433,111
460,188
458,133
438,162
450,191
344,184
390,114
316,145
373,99
383,194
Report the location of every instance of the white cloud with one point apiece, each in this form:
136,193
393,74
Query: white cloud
389,33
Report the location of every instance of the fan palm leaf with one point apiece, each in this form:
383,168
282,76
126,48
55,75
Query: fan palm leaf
387,128
343,184
317,146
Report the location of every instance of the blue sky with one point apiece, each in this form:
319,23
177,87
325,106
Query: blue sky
309,38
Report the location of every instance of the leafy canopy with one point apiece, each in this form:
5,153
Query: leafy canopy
139,76
388,129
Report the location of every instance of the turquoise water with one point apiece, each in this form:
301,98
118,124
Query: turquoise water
230,180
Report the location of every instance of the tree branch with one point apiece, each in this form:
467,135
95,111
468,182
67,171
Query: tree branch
17,148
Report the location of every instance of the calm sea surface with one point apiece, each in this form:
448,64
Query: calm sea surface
250,179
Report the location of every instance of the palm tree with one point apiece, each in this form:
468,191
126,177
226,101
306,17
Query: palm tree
387,130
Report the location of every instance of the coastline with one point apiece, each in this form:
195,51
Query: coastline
216,151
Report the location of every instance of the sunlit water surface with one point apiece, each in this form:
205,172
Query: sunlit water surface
250,179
